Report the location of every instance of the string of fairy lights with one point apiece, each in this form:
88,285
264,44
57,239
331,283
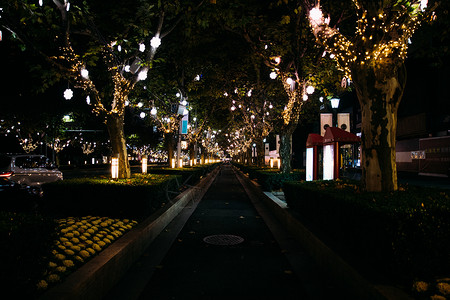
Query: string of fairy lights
381,37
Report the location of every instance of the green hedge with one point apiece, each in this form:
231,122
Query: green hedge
189,175
401,235
25,242
270,179
134,198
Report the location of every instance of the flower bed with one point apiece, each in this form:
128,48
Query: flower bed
64,234
394,237
77,241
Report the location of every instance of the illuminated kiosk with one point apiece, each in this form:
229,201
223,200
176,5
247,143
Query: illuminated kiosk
313,142
334,138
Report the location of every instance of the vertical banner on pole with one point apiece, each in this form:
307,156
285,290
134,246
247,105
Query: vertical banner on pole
184,124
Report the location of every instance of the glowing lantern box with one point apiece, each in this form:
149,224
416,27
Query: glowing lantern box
312,155
334,138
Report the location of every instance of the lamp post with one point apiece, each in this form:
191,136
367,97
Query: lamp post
334,106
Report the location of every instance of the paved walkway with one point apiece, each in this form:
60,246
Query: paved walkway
180,264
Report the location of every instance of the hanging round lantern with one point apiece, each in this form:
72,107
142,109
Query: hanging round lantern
68,94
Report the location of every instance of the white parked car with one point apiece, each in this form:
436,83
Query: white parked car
28,169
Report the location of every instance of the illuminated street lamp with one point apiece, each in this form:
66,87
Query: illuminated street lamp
115,167
144,165
334,106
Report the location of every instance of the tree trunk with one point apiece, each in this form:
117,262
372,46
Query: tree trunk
285,151
114,123
260,162
192,155
379,93
170,142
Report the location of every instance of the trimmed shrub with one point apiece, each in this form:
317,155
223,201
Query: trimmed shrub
400,235
134,198
270,179
25,243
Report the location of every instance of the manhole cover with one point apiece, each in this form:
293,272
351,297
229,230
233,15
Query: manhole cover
223,239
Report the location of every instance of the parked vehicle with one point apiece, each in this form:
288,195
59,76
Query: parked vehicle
28,169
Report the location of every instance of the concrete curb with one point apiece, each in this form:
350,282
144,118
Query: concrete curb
99,275
342,273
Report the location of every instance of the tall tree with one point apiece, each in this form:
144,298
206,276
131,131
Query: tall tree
278,35
373,58
105,50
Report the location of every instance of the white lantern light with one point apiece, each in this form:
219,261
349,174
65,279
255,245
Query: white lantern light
155,42
127,68
142,47
88,100
142,115
153,111
289,81
140,104
68,94
315,14
142,74
305,97
310,89
423,4
84,73
273,75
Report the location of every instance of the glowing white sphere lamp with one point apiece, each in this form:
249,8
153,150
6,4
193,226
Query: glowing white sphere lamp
315,14
273,75
84,73
142,74
153,111
68,94
155,42
310,89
